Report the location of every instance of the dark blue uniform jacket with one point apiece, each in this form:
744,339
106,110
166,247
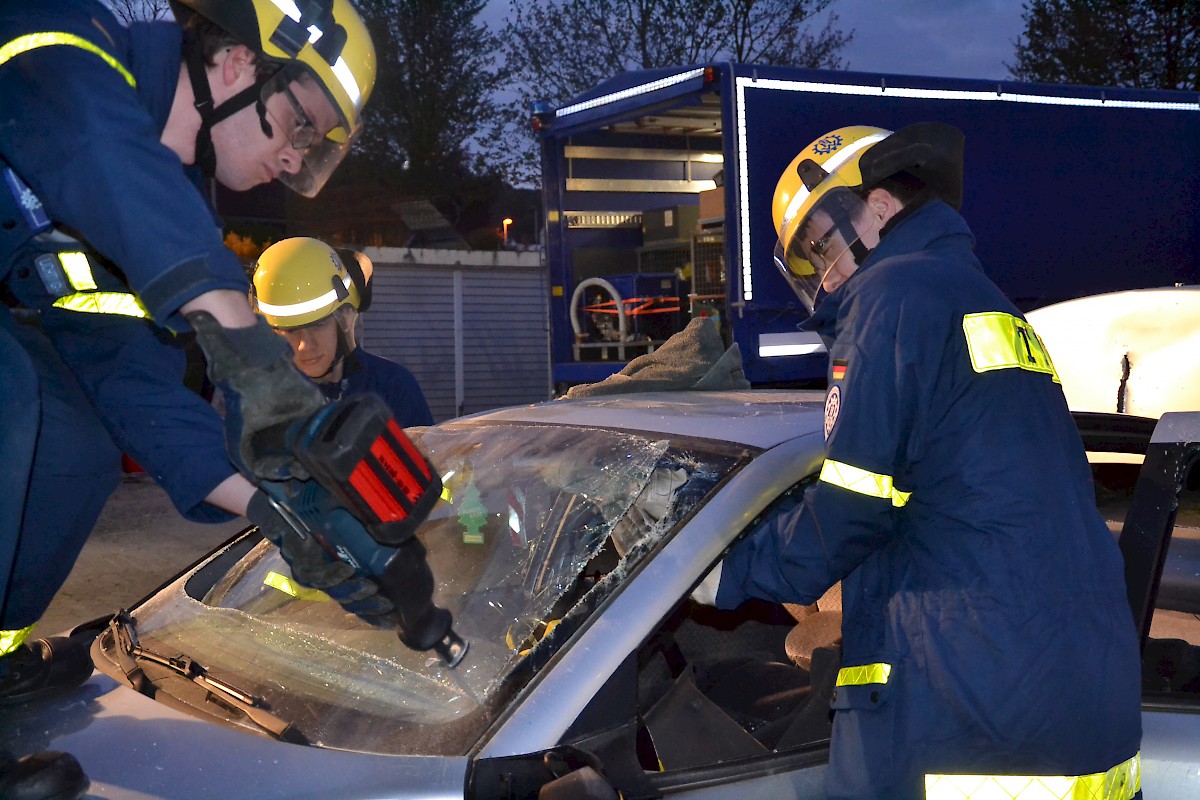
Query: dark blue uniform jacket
957,508
398,387
85,144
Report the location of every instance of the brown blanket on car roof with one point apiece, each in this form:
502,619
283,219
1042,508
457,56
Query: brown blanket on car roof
695,358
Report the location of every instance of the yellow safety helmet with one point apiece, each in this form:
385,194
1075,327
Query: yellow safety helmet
807,183
839,149
328,40
831,175
301,281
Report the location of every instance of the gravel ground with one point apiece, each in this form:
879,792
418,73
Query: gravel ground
138,544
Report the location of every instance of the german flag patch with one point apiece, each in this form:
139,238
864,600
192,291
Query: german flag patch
839,369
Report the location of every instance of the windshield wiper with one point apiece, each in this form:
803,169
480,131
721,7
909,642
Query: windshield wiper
131,654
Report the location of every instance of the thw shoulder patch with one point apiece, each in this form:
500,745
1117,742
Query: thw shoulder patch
838,370
833,407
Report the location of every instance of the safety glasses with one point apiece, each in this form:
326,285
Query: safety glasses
300,131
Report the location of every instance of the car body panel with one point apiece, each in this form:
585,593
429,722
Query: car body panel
758,418
135,748
1171,753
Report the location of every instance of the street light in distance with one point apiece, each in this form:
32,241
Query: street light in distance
507,222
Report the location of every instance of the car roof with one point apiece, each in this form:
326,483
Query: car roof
759,418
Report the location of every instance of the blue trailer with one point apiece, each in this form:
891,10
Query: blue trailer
659,184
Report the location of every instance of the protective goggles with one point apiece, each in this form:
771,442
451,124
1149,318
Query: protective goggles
814,254
321,155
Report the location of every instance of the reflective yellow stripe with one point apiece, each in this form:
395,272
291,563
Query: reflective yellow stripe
126,305
863,482
11,640
79,270
867,673
1001,341
289,586
32,41
1121,782
304,306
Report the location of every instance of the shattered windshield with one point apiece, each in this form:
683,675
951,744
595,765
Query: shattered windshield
537,524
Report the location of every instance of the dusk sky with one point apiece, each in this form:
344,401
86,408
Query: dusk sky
962,39
959,39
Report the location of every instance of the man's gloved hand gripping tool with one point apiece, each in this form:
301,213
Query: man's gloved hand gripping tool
342,476
370,489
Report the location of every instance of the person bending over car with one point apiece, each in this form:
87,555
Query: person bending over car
108,247
312,296
988,645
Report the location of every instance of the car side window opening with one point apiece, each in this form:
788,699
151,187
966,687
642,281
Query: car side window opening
1171,656
756,680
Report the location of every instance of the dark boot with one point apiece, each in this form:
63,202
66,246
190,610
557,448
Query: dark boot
41,668
42,776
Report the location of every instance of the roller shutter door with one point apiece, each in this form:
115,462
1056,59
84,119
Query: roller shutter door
475,335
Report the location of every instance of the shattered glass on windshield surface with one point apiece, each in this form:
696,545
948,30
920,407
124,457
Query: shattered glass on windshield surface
516,545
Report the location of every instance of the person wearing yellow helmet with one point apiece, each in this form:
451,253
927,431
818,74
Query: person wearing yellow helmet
312,296
313,68
986,638
108,242
821,217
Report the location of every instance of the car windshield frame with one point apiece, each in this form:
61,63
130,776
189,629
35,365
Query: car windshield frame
604,501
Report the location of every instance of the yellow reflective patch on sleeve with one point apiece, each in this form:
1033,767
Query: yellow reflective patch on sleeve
1001,341
122,303
1122,782
289,586
867,673
79,270
858,480
11,640
32,41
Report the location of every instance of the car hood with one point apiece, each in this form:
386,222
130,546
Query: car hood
133,748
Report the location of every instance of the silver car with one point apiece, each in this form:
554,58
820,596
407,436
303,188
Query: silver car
569,539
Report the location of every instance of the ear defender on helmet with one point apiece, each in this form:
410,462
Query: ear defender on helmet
360,269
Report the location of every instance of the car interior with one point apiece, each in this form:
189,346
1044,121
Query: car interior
756,679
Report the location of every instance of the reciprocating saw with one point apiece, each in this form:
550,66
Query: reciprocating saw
370,490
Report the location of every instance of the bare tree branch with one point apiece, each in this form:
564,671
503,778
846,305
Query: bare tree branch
139,10
556,49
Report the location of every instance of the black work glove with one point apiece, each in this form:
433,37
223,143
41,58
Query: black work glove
264,394
314,566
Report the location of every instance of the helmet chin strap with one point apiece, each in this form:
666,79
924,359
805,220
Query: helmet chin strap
206,155
860,251
339,357
850,234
